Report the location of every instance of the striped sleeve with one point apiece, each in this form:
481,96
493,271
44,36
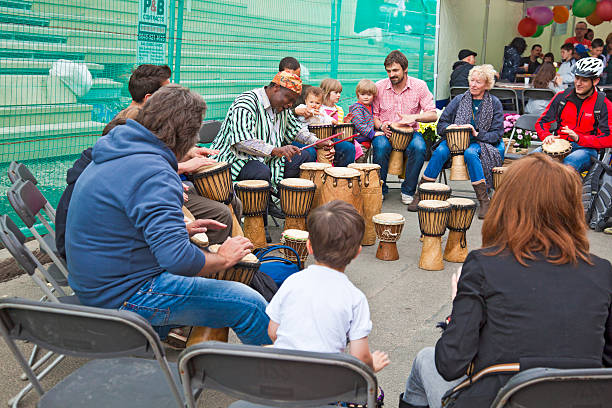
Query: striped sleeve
242,120
292,127
362,124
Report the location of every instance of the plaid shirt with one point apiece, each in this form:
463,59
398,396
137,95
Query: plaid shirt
414,98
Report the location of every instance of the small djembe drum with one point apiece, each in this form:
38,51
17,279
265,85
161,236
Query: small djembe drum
347,129
200,239
313,171
459,221
498,176
254,195
295,239
371,195
400,139
242,272
558,149
296,195
342,183
215,182
434,191
322,132
433,218
388,228
458,140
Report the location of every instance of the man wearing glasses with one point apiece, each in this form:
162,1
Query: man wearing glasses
580,30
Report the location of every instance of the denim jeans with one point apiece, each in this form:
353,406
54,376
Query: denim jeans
579,158
471,157
415,157
425,386
312,152
168,301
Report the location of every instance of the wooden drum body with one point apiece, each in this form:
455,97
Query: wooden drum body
342,183
313,171
371,194
242,272
459,221
347,129
322,132
559,149
434,191
254,195
388,228
215,182
295,239
400,139
458,140
498,176
296,195
433,218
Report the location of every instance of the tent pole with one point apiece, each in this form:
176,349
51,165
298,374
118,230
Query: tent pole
437,49
485,32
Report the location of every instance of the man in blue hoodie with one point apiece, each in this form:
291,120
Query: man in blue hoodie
126,242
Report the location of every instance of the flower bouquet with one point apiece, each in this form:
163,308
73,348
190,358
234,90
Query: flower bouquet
522,138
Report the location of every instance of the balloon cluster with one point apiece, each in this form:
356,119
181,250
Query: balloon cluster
596,12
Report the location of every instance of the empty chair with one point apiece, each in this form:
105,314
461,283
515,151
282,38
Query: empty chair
275,377
544,95
18,171
553,388
128,367
457,90
209,131
508,98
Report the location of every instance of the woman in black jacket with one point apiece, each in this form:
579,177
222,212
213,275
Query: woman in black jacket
512,59
533,294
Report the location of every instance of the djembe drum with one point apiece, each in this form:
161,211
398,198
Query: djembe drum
342,183
388,228
498,176
313,171
322,132
215,182
433,218
400,139
242,272
459,221
295,239
347,129
296,195
254,195
558,149
371,195
458,140
434,191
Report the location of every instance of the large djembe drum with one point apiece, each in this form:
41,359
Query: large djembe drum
434,191
433,218
498,176
458,140
342,183
313,171
459,221
559,149
371,194
400,139
322,132
296,195
347,130
215,182
295,239
242,272
254,195
388,228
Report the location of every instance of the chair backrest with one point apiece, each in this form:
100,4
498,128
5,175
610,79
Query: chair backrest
27,201
18,171
209,131
537,93
526,122
507,94
13,239
276,377
548,387
457,90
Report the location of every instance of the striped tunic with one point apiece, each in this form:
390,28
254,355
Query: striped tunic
247,121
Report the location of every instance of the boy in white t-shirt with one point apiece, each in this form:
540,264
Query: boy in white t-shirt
319,309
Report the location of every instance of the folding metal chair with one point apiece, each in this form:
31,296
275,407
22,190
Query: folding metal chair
548,388
505,94
275,377
129,367
18,171
30,205
524,122
536,93
209,131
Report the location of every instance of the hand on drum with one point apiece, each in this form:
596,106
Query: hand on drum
202,152
454,281
234,249
570,133
287,151
408,119
386,130
468,126
198,226
192,165
550,139
330,151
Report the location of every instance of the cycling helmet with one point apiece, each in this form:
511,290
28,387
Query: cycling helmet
589,67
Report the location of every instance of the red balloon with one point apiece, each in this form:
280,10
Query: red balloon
527,27
594,19
604,10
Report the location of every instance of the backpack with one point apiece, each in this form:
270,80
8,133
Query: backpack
277,267
599,104
597,195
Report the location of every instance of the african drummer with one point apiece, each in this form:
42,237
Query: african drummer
256,135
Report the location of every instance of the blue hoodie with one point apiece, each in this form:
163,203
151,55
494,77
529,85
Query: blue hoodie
125,223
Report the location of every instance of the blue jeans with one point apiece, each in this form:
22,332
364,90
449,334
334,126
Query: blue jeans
414,155
345,153
579,158
312,152
168,301
471,157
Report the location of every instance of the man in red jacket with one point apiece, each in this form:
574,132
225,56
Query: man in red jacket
581,115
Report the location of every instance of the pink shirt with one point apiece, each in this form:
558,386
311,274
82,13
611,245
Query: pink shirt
414,98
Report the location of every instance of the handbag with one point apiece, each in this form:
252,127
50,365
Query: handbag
277,267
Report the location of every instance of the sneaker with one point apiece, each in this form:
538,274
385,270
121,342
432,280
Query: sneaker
608,230
406,199
178,337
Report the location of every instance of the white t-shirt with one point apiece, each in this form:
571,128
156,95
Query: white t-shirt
319,309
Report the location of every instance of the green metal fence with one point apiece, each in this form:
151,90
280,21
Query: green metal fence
218,48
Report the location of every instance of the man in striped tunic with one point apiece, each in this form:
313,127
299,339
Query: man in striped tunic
257,133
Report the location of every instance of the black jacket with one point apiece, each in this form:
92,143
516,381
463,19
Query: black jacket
542,315
459,76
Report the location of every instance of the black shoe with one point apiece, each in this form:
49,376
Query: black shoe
274,211
404,404
268,237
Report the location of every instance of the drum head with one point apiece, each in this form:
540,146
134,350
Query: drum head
342,172
461,202
398,127
499,170
249,258
295,234
433,204
213,248
253,184
557,146
297,182
212,167
314,166
434,187
364,166
388,219
200,239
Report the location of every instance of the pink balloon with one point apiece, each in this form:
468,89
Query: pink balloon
542,15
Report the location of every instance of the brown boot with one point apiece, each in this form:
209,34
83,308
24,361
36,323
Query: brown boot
483,199
413,206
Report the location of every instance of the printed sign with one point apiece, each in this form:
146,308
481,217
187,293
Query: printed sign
152,27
